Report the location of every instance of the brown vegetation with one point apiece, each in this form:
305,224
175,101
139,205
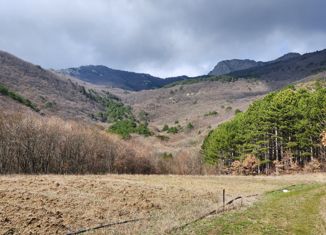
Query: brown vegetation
32,144
323,141
249,166
51,93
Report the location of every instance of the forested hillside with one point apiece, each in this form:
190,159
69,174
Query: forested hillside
281,132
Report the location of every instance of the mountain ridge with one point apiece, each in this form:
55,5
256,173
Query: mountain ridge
134,81
228,66
103,75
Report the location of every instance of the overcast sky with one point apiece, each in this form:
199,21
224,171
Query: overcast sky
161,37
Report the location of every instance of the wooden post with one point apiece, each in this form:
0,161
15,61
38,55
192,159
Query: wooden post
223,199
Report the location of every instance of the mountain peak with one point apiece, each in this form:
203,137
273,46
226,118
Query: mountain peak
288,56
228,66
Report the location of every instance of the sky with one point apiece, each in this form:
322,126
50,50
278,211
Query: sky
161,37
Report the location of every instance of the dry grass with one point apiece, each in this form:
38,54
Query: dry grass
50,204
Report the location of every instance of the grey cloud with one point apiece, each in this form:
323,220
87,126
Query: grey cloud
164,38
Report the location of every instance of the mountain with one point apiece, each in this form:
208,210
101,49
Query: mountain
24,84
287,56
287,69
228,66
102,75
105,76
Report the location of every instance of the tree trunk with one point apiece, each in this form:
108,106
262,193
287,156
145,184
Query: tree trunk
276,145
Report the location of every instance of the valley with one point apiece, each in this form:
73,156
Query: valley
162,117
85,154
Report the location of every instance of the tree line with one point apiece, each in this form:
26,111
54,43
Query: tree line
281,132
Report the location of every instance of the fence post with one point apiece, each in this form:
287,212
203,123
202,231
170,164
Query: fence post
223,199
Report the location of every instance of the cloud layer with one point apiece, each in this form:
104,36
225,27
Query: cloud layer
164,38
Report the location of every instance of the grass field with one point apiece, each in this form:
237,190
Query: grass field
299,211
56,204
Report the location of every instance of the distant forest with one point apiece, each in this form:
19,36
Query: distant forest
279,133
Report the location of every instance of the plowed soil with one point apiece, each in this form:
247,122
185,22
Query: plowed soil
56,204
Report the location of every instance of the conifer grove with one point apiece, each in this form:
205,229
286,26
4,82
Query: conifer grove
283,128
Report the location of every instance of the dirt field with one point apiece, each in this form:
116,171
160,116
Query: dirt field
53,204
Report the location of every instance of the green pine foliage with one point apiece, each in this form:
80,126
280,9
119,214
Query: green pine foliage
126,127
117,111
288,121
6,92
119,115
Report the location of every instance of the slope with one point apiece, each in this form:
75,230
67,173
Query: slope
52,94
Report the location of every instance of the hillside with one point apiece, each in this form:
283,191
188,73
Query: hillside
51,94
102,75
191,111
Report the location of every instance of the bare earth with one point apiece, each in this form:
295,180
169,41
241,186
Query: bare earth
56,204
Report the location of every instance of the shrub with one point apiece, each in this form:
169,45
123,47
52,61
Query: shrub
228,109
123,128
173,130
143,116
313,166
163,137
237,111
142,129
211,113
165,127
323,136
190,126
117,111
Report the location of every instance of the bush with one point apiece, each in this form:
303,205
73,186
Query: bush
127,127
123,128
173,130
142,129
190,126
228,109
313,166
117,111
165,127
163,137
211,113
323,140
237,111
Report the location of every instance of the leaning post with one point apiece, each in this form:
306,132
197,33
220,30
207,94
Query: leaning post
223,199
